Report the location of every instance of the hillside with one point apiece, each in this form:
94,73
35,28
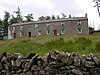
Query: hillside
82,44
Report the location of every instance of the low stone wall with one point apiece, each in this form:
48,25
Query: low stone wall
52,63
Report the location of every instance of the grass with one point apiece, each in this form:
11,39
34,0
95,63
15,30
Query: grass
82,44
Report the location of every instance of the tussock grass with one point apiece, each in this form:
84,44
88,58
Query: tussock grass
82,44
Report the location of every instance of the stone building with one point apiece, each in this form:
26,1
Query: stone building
67,26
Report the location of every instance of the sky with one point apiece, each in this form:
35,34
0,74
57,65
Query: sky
77,8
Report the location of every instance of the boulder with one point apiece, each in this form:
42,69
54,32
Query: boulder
95,71
77,72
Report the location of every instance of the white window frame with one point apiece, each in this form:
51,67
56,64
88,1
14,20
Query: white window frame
13,29
39,32
79,32
21,28
48,32
21,34
79,22
36,26
62,23
62,32
48,25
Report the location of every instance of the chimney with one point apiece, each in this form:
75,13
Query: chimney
86,15
69,15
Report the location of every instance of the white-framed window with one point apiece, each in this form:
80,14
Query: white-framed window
48,32
62,23
79,30
48,25
39,32
62,31
13,29
21,28
21,34
36,26
79,22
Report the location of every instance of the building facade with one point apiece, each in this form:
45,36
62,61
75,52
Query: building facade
67,26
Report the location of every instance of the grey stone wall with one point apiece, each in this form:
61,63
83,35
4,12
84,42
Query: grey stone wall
70,27
52,63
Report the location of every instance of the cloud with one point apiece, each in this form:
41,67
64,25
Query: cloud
50,7
42,7
67,6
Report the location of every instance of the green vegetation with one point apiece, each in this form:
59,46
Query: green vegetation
82,44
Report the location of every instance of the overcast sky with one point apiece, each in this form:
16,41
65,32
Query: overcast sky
50,7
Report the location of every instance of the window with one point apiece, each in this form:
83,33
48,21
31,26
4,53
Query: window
48,29
62,31
13,29
62,24
62,28
21,28
48,32
79,30
36,26
79,22
29,33
14,35
48,25
39,32
21,34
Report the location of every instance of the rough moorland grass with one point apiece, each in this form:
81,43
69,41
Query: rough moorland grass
83,44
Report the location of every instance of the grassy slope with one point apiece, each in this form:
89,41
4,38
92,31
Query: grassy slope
83,44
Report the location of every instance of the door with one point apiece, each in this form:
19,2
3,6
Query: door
29,34
55,32
14,35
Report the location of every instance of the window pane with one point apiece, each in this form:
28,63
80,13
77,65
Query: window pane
21,27
36,26
79,30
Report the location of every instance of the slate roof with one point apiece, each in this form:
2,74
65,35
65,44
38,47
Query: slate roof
51,21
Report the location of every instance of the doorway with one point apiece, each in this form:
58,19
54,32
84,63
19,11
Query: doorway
29,34
55,32
14,35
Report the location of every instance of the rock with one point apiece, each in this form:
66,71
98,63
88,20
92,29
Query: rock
40,61
1,67
89,64
96,61
17,55
95,71
32,62
52,63
42,72
4,72
25,67
77,60
29,56
28,73
77,72
19,71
